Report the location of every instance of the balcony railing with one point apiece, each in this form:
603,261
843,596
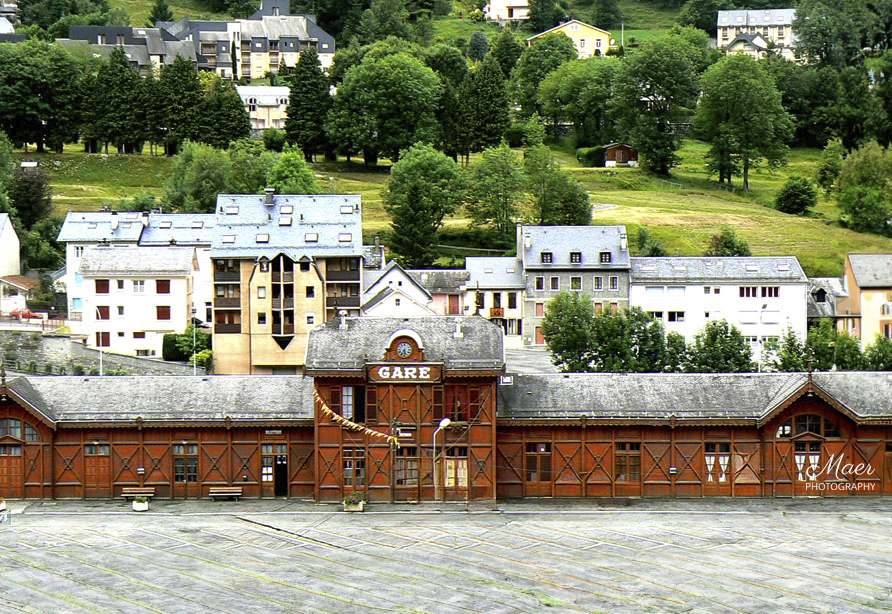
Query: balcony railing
289,303
226,276
497,312
342,276
341,301
222,329
221,303
285,277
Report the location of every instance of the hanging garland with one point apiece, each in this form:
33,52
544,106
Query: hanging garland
352,425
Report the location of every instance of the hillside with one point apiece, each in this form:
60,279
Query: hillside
683,212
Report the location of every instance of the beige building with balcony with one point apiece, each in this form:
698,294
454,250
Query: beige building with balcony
266,105
867,310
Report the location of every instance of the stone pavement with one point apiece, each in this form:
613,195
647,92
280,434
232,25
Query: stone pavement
610,556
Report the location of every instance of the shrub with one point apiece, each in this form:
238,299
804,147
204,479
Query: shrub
204,358
590,156
32,367
94,370
170,349
514,134
274,139
797,195
77,369
48,368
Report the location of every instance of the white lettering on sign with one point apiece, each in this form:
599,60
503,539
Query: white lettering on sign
424,372
384,372
397,372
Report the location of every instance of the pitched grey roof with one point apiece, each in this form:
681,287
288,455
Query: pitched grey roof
771,17
102,260
366,339
441,281
96,226
698,269
373,277
318,225
166,398
833,289
756,40
560,241
380,296
182,228
265,95
686,396
872,270
495,273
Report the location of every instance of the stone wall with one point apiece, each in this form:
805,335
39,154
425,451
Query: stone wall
57,354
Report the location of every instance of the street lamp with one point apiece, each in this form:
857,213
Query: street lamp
99,340
443,424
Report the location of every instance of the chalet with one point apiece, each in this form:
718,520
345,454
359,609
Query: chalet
620,154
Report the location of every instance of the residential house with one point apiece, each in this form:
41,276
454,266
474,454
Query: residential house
392,292
15,290
133,296
773,26
753,45
148,49
266,105
867,310
823,295
82,230
447,287
506,11
496,290
9,247
589,259
283,264
763,296
588,40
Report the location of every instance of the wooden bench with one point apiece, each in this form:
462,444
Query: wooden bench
131,492
225,492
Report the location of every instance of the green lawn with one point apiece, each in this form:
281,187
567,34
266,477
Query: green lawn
140,9
682,211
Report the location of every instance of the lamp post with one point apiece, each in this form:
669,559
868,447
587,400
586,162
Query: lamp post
99,340
194,362
443,424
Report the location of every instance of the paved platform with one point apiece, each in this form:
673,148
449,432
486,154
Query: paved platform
609,556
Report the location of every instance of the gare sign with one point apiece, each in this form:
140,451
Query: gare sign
402,372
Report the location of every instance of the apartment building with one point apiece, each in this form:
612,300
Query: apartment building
866,311
266,105
590,259
148,49
762,296
132,296
283,264
750,31
495,288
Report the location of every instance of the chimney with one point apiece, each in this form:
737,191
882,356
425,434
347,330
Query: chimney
377,240
458,334
114,220
145,219
623,241
343,315
270,192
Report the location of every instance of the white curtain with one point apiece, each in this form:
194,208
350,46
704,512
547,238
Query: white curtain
710,464
800,464
723,462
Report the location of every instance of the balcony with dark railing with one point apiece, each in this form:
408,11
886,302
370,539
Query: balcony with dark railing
341,301
226,276
278,303
342,276
222,329
227,303
287,277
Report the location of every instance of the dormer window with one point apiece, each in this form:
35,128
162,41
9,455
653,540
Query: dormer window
606,257
545,257
576,257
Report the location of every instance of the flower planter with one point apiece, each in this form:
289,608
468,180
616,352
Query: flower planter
359,506
140,506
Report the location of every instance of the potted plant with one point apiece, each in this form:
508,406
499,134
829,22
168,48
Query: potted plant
354,502
140,504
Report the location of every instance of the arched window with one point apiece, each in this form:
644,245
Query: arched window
31,433
807,423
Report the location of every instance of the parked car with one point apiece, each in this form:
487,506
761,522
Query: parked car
25,314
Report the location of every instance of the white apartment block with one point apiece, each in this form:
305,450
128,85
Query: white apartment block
762,296
773,25
133,296
495,290
504,11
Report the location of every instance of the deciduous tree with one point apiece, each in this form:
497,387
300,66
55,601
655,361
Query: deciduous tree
537,62
720,348
557,198
727,243
497,189
291,175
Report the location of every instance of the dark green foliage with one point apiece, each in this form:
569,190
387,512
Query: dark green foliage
653,88
830,166
182,95
607,14
580,92
485,96
199,173
514,134
648,245
831,32
291,175
544,14
110,117
591,157
796,196
720,348
202,341
308,104
567,329
506,50
702,14
274,140
557,198
497,189
741,116
787,355
170,348
223,115
160,12
537,62
45,13
448,63
864,193
39,247
31,195
142,202
251,164
455,137
478,47
727,243
384,18
829,348
878,355
423,188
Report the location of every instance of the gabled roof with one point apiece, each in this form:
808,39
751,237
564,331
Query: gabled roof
179,229
756,40
561,241
265,95
148,261
872,270
180,399
730,269
96,226
768,17
564,25
375,279
20,281
4,220
365,339
495,273
441,281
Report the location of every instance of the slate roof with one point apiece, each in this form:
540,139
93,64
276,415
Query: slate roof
872,270
246,227
266,95
771,17
698,269
441,281
561,240
365,339
373,277
687,396
833,289
96,226
182,228
101,260
168,398
495,273
756,40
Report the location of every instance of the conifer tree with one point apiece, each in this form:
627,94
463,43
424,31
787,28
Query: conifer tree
478,46
487,103
309,103
116,94
224,115
506,51
160,12
182,97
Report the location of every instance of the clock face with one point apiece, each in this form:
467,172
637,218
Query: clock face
404,350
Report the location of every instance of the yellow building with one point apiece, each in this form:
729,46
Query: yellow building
868,280
266,105
283,264
588,40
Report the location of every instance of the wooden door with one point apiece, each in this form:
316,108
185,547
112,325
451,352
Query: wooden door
537,469
806,465
97,476
718,469
455,474
454,308
540,339
11,476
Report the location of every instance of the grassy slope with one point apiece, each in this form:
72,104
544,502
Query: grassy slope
683,212
139,10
